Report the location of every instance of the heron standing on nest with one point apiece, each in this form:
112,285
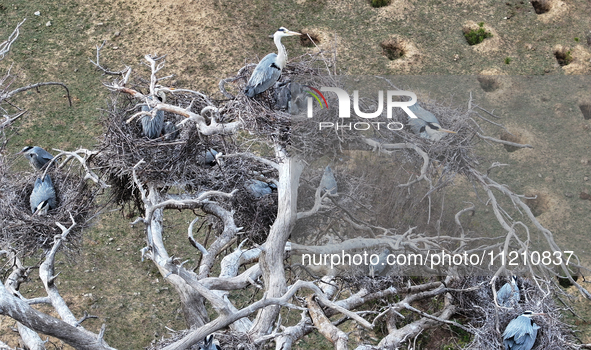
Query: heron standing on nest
152,125
269,69
37,156
521,332
426,124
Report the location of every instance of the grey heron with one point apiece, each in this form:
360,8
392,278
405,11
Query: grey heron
210,344
521,332
377,268
269,69
209,158
37,156
152,125
43,196
170,131
508,295
426,124
290,97
328,182
257,189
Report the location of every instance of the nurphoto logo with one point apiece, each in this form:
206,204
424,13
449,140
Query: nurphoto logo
344,105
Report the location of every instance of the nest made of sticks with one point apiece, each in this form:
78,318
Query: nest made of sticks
489,321
179,165
261,116
227,340
27,233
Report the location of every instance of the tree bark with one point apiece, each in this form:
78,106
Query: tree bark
271,259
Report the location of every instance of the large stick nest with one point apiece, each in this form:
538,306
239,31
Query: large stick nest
27,233
489,321
179,165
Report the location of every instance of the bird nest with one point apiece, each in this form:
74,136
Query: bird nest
28,233
179,165
227,340
262,116
489,321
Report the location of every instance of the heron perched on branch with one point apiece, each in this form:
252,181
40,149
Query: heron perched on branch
508,295
152,125
521,332
426,124
270,67
43,196
37,156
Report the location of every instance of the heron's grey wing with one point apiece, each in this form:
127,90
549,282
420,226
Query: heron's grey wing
170,131
416,125
42,191
152,127
528,342
283,96
257,188
264,75
504,295
34,199
520,333
43,155
423,114
210,156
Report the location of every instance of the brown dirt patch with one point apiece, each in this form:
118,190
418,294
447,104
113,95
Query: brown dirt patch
556,10
309,38
324,39
515,138
489,83
541,6
398,9
585,108
551,210
403,54
538,202
580,61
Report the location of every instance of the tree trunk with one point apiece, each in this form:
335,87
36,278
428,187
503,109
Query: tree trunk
271,259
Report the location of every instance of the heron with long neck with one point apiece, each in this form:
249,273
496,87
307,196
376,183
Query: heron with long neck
269,69
426,124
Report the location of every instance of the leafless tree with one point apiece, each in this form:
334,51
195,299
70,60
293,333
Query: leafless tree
258,241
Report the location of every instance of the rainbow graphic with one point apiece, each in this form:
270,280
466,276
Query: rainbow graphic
316,94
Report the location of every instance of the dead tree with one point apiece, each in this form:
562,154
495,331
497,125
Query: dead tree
258,242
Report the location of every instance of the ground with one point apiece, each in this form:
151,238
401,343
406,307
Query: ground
209,40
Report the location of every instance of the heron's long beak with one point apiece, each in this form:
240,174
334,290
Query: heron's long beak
449,131
293,33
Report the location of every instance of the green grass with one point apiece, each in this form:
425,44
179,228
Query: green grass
476,36
379,3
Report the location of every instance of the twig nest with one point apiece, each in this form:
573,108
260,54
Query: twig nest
27,233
